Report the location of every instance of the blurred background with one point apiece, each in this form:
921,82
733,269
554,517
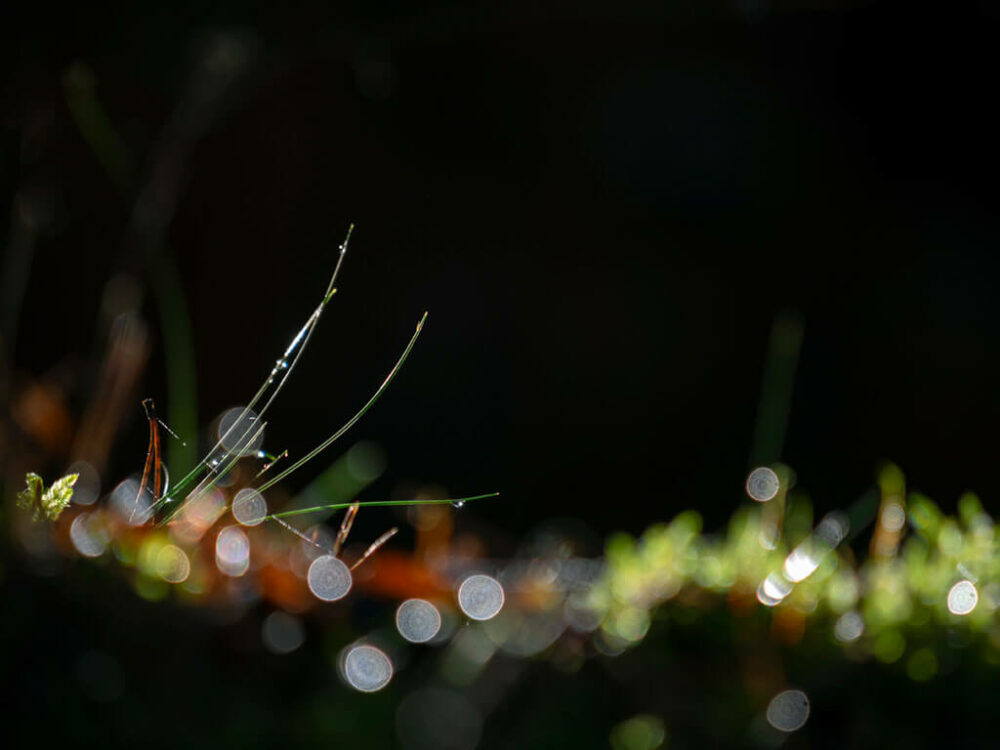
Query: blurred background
605,208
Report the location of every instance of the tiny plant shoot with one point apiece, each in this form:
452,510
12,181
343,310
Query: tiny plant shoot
46,503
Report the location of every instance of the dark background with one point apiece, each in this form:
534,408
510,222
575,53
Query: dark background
603,207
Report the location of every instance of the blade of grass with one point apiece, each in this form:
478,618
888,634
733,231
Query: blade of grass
351,422
459,501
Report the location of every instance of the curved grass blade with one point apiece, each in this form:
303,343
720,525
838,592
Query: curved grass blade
351,422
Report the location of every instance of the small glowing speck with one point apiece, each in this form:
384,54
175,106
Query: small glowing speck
763,484
249,507
480,597
417,620
282,633
367,669
232,551
962,598
893,517
788,710
329,578
849,627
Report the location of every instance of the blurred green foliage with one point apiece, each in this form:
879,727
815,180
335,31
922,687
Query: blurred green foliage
907,598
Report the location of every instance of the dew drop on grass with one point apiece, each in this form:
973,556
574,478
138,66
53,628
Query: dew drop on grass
367,669
763,484
329,578
249,507
788,710
480,597
417,620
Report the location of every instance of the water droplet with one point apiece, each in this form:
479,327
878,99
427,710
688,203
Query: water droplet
763,484
893,517
788,710
367,669
281,364
232,551
962,598
89,535
773,590
172,564
417,620
249,507
480,597
329,578
801,563
458,504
